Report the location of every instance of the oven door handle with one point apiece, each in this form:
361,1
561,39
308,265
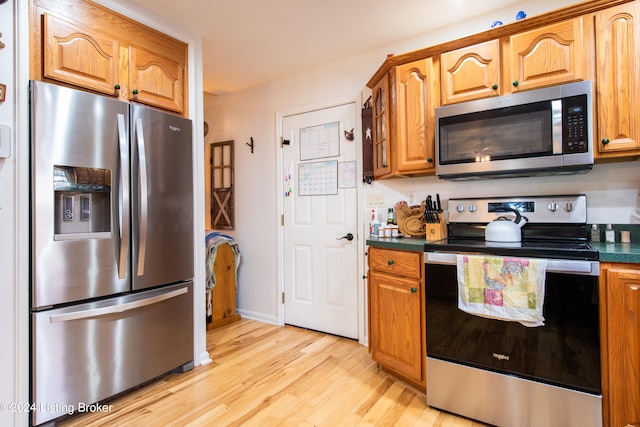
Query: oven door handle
587,268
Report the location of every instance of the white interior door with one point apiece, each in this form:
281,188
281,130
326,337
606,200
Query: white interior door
320,207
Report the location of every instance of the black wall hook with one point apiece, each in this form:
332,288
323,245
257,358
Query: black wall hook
251,144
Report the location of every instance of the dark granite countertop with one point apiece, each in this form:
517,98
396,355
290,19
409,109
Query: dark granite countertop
618,252
609,252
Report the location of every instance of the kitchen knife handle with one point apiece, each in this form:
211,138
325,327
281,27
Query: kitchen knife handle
124,198
144,186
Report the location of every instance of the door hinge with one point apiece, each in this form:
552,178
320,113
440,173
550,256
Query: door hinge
282,220
283,297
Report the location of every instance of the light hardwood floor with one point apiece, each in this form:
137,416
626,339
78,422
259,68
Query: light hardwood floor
266,375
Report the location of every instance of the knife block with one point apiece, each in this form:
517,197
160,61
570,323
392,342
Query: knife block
436,231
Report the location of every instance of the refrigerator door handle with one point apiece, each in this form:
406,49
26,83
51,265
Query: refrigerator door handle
114,309
123,226
144,185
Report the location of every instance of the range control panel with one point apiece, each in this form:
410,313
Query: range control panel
537,209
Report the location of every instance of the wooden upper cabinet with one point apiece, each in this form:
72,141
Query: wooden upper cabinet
470,73
416,96
80,43
380,119
546,56
617,34
404,102
79,56
156,80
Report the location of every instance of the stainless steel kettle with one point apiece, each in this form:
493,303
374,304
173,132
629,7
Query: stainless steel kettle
505,229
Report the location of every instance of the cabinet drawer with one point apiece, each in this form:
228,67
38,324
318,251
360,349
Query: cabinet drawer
402,263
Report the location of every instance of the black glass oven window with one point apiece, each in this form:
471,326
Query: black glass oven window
501,134
564,352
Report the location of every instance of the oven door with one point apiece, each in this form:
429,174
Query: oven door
565,352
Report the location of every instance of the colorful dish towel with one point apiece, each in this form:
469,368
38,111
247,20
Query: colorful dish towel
502,288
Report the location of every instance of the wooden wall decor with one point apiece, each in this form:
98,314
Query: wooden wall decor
222,193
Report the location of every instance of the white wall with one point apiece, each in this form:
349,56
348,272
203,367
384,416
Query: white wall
13,303
252,113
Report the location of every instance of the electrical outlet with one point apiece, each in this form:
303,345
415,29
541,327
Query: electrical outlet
375,199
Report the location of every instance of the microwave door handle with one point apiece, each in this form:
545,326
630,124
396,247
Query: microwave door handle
556,125
124,230
144,185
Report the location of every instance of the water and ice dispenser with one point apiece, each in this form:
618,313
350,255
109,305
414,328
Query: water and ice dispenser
82,202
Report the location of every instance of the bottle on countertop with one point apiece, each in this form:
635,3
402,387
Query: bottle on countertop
609,234
374,225
595,233
391,217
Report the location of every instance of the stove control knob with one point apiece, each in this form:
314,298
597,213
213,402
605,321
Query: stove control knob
460,208
473,208
553,206
568,207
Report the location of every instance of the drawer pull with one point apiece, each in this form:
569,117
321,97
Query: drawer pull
390,262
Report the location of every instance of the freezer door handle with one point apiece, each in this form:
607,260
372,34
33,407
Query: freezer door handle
144,186
114,309
123,191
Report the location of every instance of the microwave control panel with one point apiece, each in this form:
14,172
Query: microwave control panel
574,116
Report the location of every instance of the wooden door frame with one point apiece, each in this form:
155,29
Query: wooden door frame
280,116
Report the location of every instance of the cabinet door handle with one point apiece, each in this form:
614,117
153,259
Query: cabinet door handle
429,159
515,83
494,87
605,141
135,91
414,290
390,262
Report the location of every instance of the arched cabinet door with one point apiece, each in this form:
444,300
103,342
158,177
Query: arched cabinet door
79,57
471,72
156,80
547,56
618,81
417,94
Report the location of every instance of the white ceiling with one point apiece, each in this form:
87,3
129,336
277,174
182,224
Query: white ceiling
247,42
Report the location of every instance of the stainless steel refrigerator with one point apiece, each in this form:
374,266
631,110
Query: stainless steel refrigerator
111,247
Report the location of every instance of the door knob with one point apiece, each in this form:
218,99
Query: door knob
347,236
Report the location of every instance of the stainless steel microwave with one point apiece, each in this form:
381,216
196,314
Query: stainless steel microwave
538,132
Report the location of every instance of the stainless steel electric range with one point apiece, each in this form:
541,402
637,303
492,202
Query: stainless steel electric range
501,372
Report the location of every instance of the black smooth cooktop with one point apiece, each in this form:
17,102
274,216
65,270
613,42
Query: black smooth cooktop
578,250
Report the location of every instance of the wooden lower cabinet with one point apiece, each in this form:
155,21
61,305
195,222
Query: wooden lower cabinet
620,324
397,313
